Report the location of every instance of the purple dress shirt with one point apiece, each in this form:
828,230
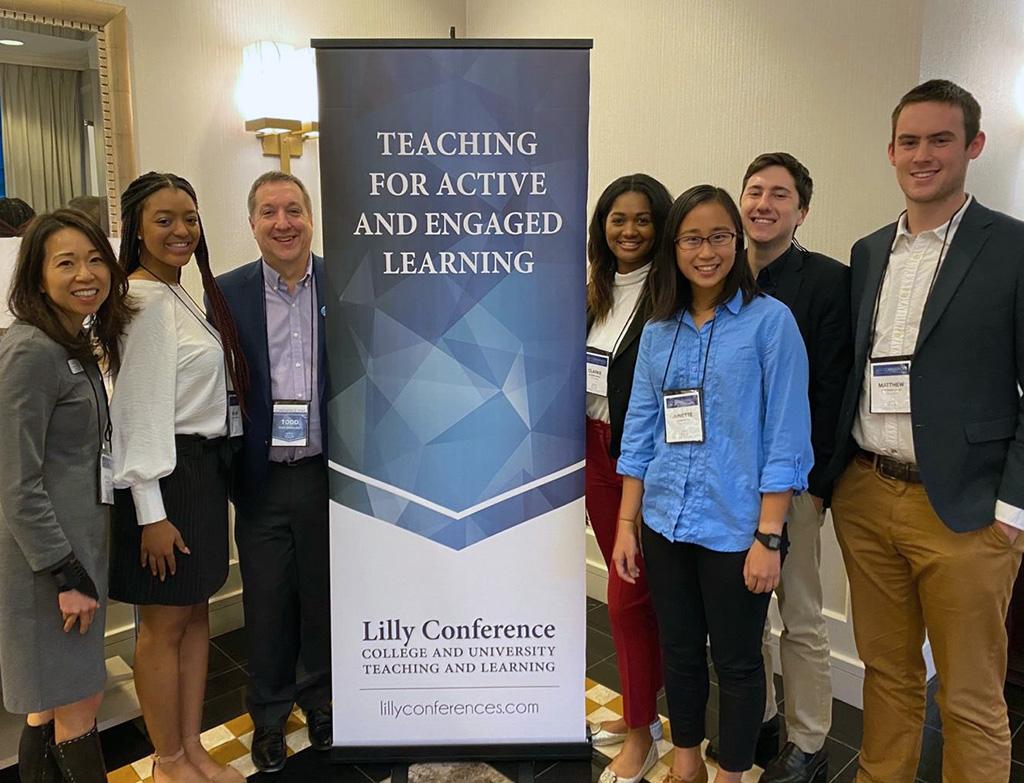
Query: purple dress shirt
291,341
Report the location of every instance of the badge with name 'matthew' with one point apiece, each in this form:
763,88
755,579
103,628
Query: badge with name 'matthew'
890,385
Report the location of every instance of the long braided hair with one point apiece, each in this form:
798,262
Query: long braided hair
132,202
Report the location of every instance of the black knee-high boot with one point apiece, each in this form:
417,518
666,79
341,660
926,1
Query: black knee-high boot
81,759
35,760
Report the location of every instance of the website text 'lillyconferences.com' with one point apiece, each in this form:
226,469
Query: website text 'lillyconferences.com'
438,708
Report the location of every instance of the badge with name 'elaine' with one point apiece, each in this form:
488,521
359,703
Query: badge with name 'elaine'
890,385
597,371
290,424
684,416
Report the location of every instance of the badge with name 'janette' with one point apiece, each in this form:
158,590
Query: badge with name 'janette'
684,416
290,424
890,385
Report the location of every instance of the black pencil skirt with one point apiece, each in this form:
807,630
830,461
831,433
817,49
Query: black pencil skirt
196,500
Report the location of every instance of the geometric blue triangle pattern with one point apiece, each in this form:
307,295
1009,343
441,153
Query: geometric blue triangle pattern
457,397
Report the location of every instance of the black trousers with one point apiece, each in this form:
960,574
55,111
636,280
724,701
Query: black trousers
284,559
699,593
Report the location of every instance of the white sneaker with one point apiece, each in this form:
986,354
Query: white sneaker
652,758
600,736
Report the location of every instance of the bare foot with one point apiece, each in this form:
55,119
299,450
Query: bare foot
176,768
615,726
633,754
201,760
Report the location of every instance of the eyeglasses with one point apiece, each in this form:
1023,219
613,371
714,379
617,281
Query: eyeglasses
693,242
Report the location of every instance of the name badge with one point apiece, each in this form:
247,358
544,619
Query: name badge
597,371
684,416
290,424
106,478
75,366
234,416
890,385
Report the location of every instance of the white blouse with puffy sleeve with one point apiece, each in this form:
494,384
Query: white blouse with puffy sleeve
171,382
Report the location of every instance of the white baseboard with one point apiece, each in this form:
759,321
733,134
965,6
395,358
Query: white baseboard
847,670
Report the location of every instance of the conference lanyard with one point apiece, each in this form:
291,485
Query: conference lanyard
289,424
234,410
889,376
684,408
105,476
599,361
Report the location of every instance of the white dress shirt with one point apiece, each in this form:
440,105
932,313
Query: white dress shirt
914,263
171,382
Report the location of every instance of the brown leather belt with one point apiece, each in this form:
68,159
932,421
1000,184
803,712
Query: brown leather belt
891,468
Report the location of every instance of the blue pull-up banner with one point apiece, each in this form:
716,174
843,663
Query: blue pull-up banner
454,184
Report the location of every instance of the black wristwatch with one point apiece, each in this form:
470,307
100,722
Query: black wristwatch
769,541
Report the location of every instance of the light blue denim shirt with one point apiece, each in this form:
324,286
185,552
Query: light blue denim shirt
757,422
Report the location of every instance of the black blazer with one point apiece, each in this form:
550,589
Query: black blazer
243,290
816,289
967,411
620,375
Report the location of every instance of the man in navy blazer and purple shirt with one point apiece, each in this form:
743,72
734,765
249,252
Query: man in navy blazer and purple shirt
280,492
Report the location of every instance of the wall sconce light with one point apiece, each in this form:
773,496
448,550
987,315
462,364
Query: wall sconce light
277,97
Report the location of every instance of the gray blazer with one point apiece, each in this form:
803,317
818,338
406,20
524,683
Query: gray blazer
48,507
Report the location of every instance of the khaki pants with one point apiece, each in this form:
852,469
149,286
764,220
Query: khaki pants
909,573
803,646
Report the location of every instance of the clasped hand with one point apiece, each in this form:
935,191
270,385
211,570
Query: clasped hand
159,541
76,607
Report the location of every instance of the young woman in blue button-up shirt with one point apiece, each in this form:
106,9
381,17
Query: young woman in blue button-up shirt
712,484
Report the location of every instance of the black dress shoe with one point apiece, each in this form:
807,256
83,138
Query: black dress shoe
268,753
767,747
318,724
792,765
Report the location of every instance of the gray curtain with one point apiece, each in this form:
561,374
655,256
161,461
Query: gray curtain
42,134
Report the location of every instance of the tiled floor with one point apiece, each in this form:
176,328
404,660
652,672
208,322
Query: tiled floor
227,729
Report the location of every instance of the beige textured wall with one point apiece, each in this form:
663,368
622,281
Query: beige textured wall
691,90
980,45
186,56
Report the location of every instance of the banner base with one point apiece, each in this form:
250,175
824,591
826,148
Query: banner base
425,754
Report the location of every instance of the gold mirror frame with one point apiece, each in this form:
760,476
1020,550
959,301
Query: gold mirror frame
110,23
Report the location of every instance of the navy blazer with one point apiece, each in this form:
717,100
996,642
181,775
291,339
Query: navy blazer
243,290
967,410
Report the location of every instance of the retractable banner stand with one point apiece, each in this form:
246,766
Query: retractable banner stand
454,183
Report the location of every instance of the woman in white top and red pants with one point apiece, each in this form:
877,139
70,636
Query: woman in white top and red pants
625,230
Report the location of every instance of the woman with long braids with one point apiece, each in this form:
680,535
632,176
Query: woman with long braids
624,232
172,418
53,513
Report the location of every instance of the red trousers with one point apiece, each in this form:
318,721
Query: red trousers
634,627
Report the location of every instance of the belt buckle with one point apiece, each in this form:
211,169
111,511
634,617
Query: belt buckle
884,467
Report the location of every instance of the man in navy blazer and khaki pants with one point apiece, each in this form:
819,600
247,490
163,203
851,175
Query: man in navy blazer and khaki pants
930,501
280,482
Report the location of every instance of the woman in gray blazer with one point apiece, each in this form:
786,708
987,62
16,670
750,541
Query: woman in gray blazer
54,515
